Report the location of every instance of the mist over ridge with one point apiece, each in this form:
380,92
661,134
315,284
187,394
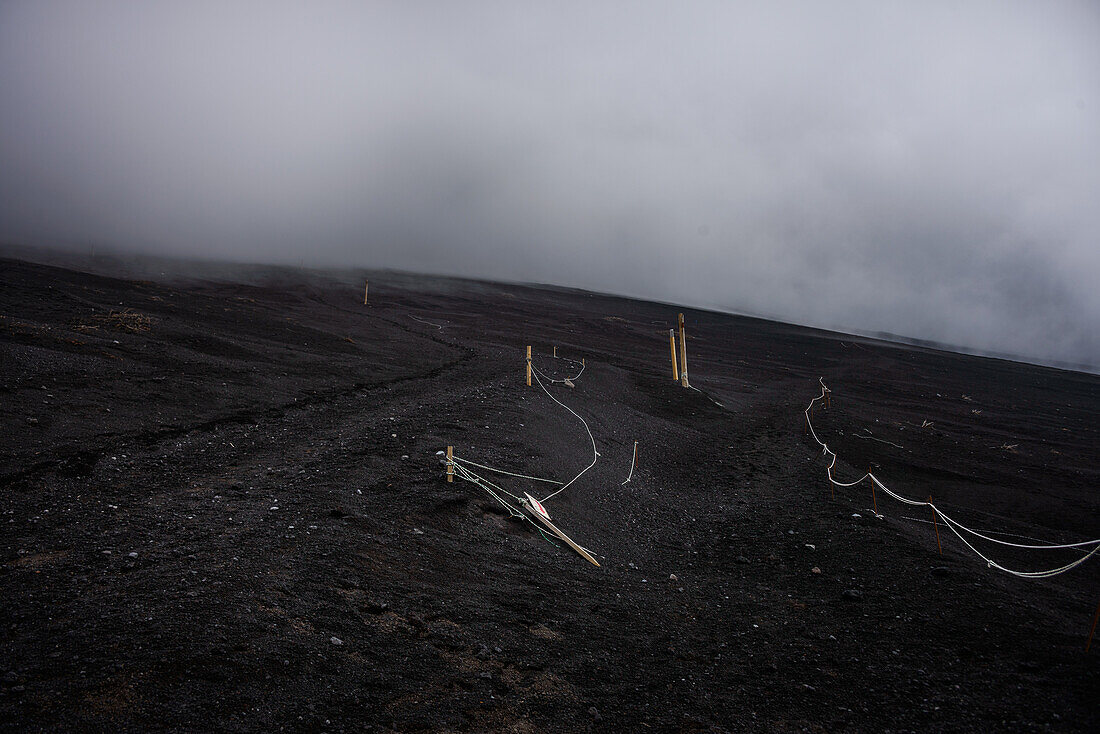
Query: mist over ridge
926,171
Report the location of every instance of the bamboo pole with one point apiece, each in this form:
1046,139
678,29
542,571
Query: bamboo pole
683,355
936,526
528,366
450,463
672,344
366,289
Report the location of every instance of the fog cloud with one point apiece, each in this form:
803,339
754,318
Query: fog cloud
927,169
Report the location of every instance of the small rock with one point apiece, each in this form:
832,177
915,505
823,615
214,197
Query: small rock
594,714
32,421
417,531
853,594
132,554
815,569
336,641
483,653
811,546
672,577
404,457
485,675
856,515
740,559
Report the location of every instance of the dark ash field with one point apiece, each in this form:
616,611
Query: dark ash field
223,509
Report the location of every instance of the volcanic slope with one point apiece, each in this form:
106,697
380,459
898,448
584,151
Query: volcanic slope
224,508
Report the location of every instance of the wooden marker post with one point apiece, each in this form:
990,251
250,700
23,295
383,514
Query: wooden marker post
450,463
672,344
555,352
874,501
683,355
366,289
1091,631
936,526
528,366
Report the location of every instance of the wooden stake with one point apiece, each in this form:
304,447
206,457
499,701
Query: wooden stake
873,499
936,526
528,366
683,355
1091,631
826,400
450,463
555,352
366,288
672,344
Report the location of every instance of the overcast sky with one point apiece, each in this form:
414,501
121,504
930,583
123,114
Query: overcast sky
930,169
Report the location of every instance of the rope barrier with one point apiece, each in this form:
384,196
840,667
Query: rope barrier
954,525
502,471
462,465
595,453
564,379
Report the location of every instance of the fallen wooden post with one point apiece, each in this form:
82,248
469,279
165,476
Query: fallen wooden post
528,366
450,463
535,509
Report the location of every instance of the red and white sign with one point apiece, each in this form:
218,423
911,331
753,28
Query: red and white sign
538,506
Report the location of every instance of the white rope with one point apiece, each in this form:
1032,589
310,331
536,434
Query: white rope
564,379
502,471
463,473
633,461
872,438
429,323
595,453
954,525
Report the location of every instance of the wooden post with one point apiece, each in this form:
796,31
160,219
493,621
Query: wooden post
683,355
873,499
366,288
827,399
555,352
528,366
672,344
936,526
450,463
1095,617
